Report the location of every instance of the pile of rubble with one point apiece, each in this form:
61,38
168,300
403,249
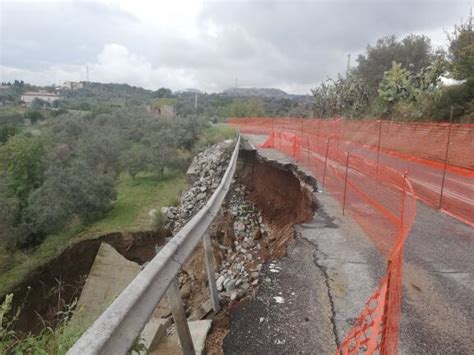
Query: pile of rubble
242,252
204,174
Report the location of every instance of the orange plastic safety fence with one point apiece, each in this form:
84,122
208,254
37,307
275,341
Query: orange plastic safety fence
439,156
380,199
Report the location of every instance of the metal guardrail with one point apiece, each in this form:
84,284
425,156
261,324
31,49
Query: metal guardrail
115,331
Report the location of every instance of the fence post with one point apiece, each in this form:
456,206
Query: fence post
273,132
345,185
383,345
307,150
206,242
179,316
326,161
378,147
402,212
294,147
446,159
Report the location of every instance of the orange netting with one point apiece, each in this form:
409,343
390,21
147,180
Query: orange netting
439,156
379,198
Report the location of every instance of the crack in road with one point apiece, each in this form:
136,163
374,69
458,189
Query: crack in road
326,282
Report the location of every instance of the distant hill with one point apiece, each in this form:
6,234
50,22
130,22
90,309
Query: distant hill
256,92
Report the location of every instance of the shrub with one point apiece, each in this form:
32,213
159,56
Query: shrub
460,97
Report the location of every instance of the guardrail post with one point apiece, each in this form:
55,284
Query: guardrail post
345,185
326,161
179,316
206,242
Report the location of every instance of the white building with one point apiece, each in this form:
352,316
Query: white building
28,97
73,85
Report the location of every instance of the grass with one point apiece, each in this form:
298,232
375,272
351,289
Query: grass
136,197
164,101
48,341
12,109
214,134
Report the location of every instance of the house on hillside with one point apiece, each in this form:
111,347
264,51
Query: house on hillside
30,96
73,85
163,107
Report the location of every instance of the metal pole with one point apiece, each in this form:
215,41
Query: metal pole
206,242
345,185
446,158
378,147
273,132
383,349
326,161
307,150
404,196
179,316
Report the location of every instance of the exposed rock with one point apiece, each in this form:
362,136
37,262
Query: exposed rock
220,283
204,174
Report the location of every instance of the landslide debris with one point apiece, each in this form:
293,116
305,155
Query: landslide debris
204,176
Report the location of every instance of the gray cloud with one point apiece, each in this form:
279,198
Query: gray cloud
292,45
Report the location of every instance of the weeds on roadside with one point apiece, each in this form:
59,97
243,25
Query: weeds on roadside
51,340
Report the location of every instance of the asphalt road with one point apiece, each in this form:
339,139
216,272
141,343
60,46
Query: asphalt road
438,280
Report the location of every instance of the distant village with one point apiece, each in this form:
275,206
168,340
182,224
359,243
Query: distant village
46,97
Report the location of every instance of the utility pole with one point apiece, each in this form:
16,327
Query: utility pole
195,101
87,73
348,64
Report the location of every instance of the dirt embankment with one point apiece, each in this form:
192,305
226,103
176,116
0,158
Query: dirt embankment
52,286
282,196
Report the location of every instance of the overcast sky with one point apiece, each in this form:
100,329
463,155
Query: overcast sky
292,45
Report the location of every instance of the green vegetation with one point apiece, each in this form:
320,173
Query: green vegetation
218,107
164,101
244,108
135,198
68,173
50,340
214,134
74,181
402,80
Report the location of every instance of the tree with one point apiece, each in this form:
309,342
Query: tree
407,95
341,96
100,150
413,53
12,234
461,51
396,85
44,216
77,192
163,92
136,160
23,162
39,103
6,132
34,116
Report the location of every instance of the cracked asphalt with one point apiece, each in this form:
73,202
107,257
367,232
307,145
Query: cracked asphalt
331,269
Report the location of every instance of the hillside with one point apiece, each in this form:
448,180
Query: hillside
256,92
